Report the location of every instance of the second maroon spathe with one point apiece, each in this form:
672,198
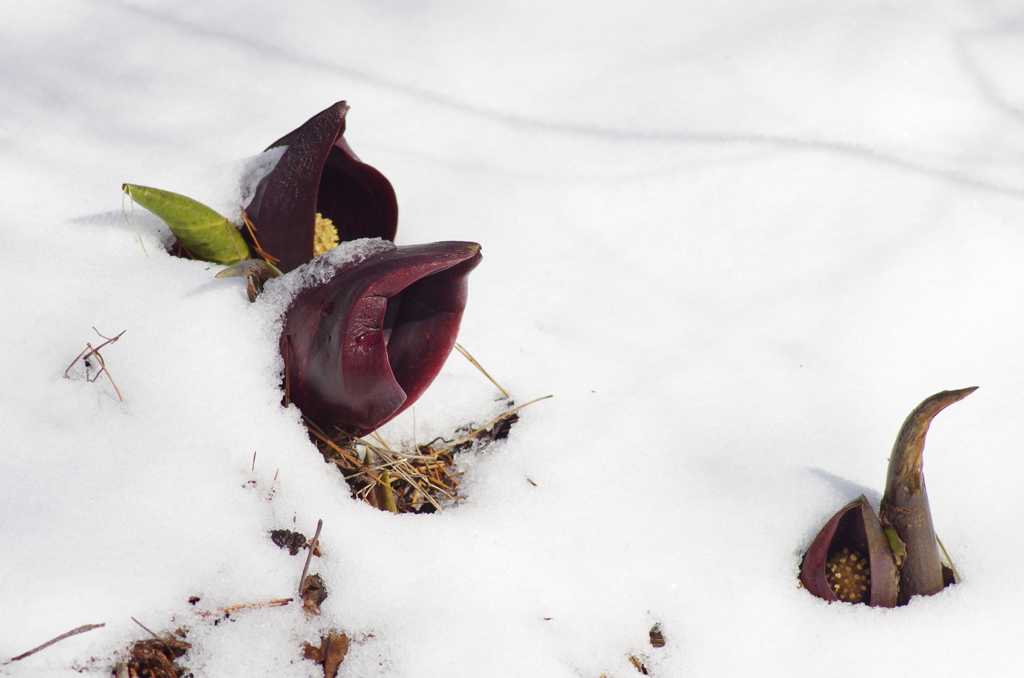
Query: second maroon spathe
363,346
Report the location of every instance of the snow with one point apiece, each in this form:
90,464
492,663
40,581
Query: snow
737,243
282,290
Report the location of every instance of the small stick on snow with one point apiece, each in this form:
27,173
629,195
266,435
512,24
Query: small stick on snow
279,602
312,547
73,632
147,630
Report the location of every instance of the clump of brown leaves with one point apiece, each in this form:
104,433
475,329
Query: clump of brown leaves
156,658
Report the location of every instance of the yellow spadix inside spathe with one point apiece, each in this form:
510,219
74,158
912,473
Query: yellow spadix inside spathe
325,235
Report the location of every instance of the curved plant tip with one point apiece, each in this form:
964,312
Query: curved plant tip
883,560
850,559
905,512
363,346
205,233
319,194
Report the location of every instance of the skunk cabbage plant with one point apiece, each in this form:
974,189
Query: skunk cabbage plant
885,559
318,194
363,346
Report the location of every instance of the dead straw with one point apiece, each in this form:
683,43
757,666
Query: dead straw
480,367
134,223
403,481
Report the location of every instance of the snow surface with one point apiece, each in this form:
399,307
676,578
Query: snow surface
737,241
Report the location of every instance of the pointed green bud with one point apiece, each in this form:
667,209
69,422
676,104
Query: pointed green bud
385,495
205,233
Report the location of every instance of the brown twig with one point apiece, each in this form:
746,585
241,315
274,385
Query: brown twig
147,630
72,632
279,602
90,352
637,664
273,483
309,558
256,243
183,252
315,430
227,611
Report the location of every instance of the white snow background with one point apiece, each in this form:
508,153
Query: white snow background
738,242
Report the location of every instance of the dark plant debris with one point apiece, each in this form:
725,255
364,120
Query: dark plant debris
657,638
157,658
179,250
293,541
314,593
330,654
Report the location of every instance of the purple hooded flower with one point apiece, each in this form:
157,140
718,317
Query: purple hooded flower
319,179
363,346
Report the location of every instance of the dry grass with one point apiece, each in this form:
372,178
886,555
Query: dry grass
91,358
420,479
